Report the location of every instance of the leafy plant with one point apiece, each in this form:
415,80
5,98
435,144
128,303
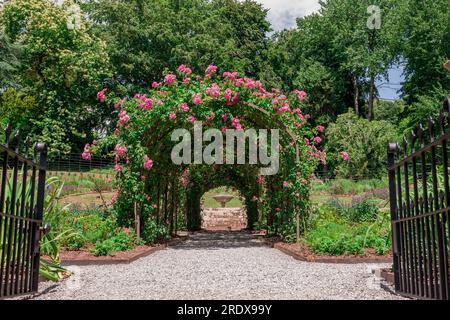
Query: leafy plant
153,233
121,242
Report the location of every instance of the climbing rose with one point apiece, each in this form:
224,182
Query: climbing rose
101,95
285,184
120,150
344,156
320,128
231,75
170,79
183,69
184,107
148,163
225,117
114,198
123,118
213,91
86,155
197,99
211,69
284,108
317,139
191,119
155,85
118,168
301,95
235,123
172,116
227,94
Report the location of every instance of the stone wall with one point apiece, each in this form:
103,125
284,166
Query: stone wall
224,219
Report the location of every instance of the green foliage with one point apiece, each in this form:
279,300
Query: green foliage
365,142
121,242
360,210
390,111
16,108
93,225
422,41
9,61
61,67
349,187
329,233
153,232
146,37
420,111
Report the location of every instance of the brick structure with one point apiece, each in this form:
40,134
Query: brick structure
224,219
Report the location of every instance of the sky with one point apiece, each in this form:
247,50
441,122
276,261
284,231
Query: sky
282,15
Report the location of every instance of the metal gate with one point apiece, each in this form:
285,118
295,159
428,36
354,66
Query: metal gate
420,203
21,207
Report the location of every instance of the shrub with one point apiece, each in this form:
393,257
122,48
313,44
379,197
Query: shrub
121,242
153,233
330,233
365,141
76,242
360,210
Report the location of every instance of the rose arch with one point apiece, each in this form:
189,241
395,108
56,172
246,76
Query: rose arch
153,189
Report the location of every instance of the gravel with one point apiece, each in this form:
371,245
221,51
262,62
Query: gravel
228,265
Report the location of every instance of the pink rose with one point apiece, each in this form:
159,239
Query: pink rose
184,107
197,99
101,95
148,163
170,79
317,139
172,115
192,119
344,156
320,128
285,184
86,155
211,69
156,85
213,91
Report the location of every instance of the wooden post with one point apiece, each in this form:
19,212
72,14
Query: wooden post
298,226
137,221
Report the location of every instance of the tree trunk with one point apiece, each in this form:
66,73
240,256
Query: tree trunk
356,94
371,97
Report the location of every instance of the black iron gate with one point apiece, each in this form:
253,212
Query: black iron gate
21,207
420,203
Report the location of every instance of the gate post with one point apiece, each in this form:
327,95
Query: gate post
392,148
41,148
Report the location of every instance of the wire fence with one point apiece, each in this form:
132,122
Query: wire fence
74,163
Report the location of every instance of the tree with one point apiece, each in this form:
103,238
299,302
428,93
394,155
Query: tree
423,42
62,67
337,47
8,60
146,37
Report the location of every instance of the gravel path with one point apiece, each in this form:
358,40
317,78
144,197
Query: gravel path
229,265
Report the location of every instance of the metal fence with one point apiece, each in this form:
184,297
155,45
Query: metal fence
21,208
420,203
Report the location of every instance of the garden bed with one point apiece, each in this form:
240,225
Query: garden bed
303,252
84,257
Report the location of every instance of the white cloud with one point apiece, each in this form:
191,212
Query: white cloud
282,13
